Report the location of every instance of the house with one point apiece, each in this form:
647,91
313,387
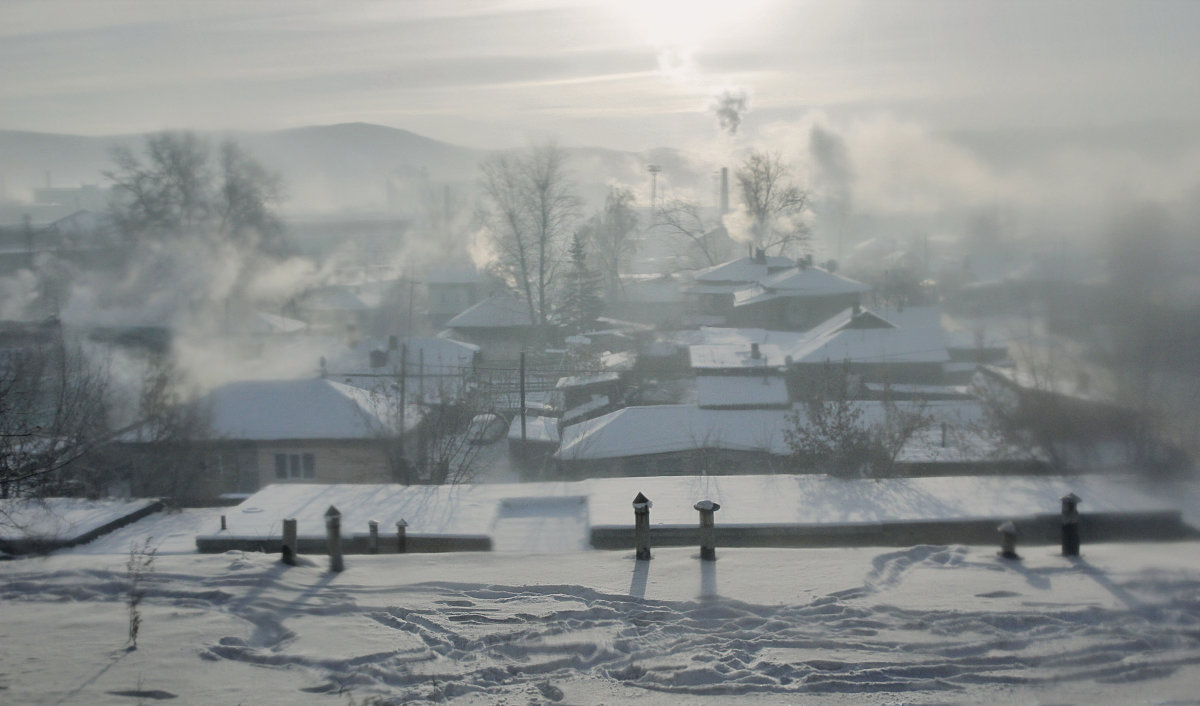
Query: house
451,290
693,440
500,325
337,308
868,347
310,430
674,440
775,293
796,299
710,298
656,300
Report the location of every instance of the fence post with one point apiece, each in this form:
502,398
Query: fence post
333,537
1008,540
641,526
708,545
373,536
401,536
289,541
1070,524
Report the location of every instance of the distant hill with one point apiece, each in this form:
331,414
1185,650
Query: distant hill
344,167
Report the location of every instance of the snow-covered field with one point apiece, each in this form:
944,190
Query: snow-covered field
925,624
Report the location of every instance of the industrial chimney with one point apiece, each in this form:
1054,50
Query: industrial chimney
724,190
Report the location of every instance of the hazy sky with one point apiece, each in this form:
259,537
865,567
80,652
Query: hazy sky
622,73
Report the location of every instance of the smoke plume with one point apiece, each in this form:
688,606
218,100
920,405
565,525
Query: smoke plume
730,106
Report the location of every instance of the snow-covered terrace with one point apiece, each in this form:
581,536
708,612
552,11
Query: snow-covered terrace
746,501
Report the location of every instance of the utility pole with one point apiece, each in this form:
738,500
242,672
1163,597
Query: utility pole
403,406
522,372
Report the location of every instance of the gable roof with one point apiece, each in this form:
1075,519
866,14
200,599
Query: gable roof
744,270
501,310
810,281
267,410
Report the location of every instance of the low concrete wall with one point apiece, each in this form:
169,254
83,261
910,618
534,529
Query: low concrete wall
416,544
1034,530
42,545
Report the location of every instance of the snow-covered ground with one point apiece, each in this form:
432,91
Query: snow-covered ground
920,624
925,624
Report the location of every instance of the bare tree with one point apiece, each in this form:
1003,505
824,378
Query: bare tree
698,246
530,209
426,424
53,415
168,457
176,189
773,204
608,233
832,433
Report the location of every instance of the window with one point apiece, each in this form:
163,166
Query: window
295,466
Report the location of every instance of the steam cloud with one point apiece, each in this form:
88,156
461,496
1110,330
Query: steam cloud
730,106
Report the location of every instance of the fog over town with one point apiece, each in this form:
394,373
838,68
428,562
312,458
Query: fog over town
901,280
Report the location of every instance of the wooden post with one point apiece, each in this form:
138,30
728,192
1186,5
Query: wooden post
708,543
1008,540
1070,525
223,527
373,536
641,526
401,536
289,541
333,538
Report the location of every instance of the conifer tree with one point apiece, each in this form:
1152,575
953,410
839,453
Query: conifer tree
581,304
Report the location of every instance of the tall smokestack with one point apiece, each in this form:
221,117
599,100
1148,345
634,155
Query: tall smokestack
654,169
724,190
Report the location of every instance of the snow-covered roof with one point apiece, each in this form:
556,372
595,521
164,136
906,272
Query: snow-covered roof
874,345
334,298
539,429
261,323
799,282
745,269
585,380
734,357
656,289
497,311
741,391
596,402
453,274
639,431
268,410
619,361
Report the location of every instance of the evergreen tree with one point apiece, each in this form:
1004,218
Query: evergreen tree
581,304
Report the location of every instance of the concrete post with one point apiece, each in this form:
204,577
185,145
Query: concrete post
373,536
708,543
1070,525
333,538
1008,540
289,541
401,536
641,526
